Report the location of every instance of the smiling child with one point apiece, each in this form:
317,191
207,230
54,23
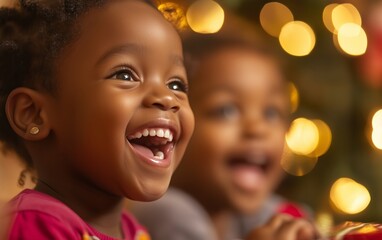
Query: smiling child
95,94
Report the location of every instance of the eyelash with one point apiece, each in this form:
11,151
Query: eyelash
124,70
128,71
183,85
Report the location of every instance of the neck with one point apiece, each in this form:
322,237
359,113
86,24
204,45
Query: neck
98,208
221,221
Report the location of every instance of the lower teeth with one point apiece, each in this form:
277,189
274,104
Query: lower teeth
159,155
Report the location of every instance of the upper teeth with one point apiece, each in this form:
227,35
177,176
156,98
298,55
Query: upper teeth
159,132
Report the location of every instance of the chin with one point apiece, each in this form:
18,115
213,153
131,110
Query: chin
153,193
246,206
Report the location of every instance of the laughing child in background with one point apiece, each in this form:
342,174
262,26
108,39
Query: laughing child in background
224,188
94,92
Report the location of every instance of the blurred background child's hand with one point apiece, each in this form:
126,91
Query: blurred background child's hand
284,227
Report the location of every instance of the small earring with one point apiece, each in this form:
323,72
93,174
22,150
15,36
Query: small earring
34,130
22,176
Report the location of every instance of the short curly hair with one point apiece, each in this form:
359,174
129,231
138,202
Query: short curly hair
31,37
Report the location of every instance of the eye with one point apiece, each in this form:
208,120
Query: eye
225,111
124,74
178,85
272,113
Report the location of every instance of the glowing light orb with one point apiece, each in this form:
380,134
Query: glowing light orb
324,140
348,196
376,137
352,39
294,97
297,165
345,13
205,16
327,17
297,38
302,137
273,16
376,121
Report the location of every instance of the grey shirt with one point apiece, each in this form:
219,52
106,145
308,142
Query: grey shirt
177,216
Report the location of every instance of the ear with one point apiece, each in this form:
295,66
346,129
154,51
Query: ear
26,113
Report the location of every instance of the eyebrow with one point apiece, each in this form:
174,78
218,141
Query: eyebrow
137,49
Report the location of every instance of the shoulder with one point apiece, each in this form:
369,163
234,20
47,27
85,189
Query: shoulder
174,216
173,204
132,228
38,216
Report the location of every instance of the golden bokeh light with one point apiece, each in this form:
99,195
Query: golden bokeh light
296,164
327,17
302,137
324,222
205,16
336,44
375,132
174,13
273,16
297,38
294,97
376,137
352,39
345,13
348,196
325,138
376,121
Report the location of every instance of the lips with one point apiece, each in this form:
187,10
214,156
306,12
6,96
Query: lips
153,143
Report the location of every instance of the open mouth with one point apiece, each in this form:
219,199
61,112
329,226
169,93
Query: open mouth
154,143
249,170
259,161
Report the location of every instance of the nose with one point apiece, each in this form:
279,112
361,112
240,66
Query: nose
163,98
254,125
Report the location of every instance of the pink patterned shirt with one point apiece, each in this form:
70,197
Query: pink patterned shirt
36,215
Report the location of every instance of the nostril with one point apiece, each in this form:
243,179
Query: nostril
159,105
168,106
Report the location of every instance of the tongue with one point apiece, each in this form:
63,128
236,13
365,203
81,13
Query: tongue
248,178
143,150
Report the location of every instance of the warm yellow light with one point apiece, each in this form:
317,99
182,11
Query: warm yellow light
297,165
327,17
325,138
375,132
174,13
205,16
273,16
302,137
297,38
348,196
345,13
324,222
336,44
376,121
294,97
376,137
352,39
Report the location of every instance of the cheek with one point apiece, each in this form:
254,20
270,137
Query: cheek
213,140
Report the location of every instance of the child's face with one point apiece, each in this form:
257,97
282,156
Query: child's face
122,77
241,111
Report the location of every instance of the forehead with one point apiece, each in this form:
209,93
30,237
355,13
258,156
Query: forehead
237,69
124,22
